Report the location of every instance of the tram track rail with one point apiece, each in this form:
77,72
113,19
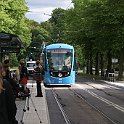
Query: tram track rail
83,99
119,88
61,108
102,82
95,108
107,93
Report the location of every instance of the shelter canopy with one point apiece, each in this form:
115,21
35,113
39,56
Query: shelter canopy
10,43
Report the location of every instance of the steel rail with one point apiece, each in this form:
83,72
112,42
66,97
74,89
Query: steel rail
61,108
103,114
108,85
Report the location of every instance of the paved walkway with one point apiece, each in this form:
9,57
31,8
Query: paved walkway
117,83
35,103
20,105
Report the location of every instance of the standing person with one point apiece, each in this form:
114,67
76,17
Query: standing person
23,74
38,77
7,101
6,66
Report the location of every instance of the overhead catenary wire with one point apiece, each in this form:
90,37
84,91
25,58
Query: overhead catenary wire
39,13
30,11
69,5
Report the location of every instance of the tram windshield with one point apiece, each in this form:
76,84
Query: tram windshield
30,64
59,59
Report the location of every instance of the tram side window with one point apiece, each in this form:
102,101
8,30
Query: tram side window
50,64
67,61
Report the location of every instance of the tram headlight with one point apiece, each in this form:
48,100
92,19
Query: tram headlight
51,73
60,75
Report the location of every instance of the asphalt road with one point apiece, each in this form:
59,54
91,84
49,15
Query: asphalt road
86,102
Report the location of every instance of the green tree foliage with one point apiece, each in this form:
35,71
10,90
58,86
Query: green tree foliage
39,35
13,60
13,20
46,25
58,25
98,26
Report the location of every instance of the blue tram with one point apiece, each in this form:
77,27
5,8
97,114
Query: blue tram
59,64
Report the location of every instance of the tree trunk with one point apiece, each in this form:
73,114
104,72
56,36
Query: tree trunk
87,64
91,63
121,60
97,64
102,65
109,56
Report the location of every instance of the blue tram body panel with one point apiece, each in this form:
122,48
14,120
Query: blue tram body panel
53,80
59,64
59,45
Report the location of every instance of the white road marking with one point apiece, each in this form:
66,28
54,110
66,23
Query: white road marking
103,99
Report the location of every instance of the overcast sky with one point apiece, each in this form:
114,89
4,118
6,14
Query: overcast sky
39,7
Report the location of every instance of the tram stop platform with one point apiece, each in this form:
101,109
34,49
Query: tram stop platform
35,103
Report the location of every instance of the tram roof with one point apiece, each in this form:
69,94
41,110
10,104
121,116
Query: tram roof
59,45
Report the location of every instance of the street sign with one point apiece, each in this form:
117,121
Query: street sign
114,60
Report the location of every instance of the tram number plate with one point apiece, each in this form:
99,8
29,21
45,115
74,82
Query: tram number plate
60,80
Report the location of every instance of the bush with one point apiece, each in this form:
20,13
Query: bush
13,60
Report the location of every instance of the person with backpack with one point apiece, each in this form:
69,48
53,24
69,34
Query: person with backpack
23,74
7,101
38,77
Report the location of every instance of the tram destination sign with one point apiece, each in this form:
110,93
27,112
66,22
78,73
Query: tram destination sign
59,50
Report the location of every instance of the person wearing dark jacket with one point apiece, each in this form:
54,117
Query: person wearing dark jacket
38,73
6,66
7,101
23,71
